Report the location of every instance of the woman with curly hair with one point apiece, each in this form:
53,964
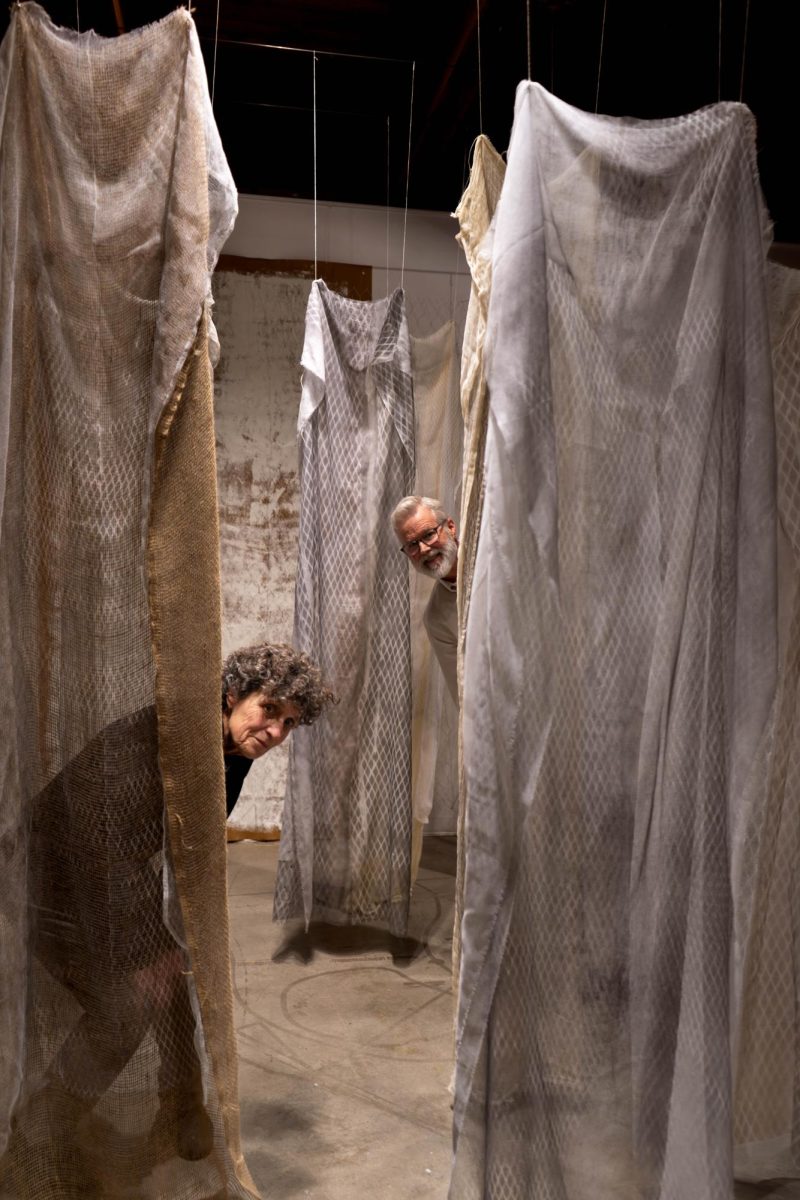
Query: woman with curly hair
267,691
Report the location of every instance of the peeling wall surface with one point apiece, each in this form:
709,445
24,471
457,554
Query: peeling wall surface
260,321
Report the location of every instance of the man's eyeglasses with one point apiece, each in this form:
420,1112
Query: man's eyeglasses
424,539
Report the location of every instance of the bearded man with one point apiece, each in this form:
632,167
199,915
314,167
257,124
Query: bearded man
427,536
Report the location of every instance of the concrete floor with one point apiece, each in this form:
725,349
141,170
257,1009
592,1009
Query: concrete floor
345,1041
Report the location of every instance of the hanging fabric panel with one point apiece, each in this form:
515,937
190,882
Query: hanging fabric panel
346,834
474,214
767,1038
116,1026
434,732
620,656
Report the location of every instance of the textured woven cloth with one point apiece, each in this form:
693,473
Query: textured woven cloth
116,1014
438,439
346,834
620,657
474,214
767,1033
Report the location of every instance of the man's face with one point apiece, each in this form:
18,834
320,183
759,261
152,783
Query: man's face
436,554
257,723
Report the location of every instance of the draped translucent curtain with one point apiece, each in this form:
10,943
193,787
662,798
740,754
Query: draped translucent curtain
620,658
346,838
117,1014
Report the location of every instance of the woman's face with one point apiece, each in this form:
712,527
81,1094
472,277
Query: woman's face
257,723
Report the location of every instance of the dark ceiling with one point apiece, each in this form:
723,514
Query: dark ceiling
659,58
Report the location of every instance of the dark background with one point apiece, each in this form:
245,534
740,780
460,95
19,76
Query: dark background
658,59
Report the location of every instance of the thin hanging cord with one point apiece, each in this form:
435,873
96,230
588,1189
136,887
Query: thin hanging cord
78,15
600,56
719,54
388,147
314,68
528,31
744,50
408,172
214,65
552,51
480,79
304,50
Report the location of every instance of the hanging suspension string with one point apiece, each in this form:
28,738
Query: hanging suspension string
600,56
744,51
719,54
480,79
388,177
249,45
408,172
314,90
214,63
528,32
552,52
78,15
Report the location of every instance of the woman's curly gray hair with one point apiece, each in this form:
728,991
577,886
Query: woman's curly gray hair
280,671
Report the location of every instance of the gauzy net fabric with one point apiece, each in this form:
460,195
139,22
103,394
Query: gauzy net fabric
346,834
474,214
117,1061
620,656
438,438
767,1111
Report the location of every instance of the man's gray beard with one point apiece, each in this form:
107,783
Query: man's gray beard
449,554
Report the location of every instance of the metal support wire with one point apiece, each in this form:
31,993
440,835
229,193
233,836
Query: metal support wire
408,171
600,56
744,51
528,33
480,78
214,65
314,77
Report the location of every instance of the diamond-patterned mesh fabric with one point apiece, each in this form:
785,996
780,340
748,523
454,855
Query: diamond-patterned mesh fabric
115,1030
438,432
346,835
620,657
767,1112
475,213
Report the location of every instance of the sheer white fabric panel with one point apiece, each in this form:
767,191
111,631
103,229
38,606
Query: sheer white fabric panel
620,656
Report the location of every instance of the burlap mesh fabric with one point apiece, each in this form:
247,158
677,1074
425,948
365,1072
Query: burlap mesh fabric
116,1021
620,657
475,213
767,1112
346,834
183,553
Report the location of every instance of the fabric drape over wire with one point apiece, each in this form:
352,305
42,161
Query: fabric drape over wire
346,835
438,438
620,657
116,1021
474,214
767,1036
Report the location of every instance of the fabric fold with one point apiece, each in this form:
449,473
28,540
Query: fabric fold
475,214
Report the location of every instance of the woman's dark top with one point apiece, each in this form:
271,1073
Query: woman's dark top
236,768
